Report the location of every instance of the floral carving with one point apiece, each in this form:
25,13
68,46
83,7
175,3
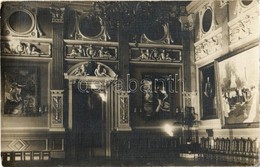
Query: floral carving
123,110
57,107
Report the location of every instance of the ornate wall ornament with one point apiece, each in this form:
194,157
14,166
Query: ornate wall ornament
57,108
243,6
91,52
150,37
223,3
18,145
92,69
89,27
57,14
187,22
20,21
25,48
209,45
207,20
123,111
244,27
156,54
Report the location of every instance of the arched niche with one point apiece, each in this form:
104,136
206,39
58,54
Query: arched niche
96,90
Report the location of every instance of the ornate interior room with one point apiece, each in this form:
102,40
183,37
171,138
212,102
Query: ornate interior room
140,83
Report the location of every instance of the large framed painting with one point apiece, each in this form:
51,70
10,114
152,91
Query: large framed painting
239,89
208,92
20,93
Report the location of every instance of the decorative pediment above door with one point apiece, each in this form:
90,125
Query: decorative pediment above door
91,72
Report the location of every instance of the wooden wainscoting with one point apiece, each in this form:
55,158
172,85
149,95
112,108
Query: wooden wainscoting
144,145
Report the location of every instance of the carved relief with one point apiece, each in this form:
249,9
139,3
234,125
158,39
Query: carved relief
57,108
156,54
243,27
208,46
187,22
24,48
123,110
91,52
92,69
57,14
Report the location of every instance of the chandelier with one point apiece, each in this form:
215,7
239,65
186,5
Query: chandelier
135,17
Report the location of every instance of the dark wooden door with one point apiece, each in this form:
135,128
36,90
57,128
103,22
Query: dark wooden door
88,121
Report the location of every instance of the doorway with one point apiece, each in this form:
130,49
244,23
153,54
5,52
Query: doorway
89,120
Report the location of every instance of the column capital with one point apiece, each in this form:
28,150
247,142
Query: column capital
57,14
187,22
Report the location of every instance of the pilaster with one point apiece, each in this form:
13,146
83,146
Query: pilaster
123,112
56,115
57,47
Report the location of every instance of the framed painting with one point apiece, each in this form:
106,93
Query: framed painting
208,92
239,88
157,94
20,87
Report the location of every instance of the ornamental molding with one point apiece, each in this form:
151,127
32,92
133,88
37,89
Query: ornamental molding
223,3
57,14
209,6
57,108
91,71
18,145
209,45
187,22
13,47
123,112
33,30
242,8
244,27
